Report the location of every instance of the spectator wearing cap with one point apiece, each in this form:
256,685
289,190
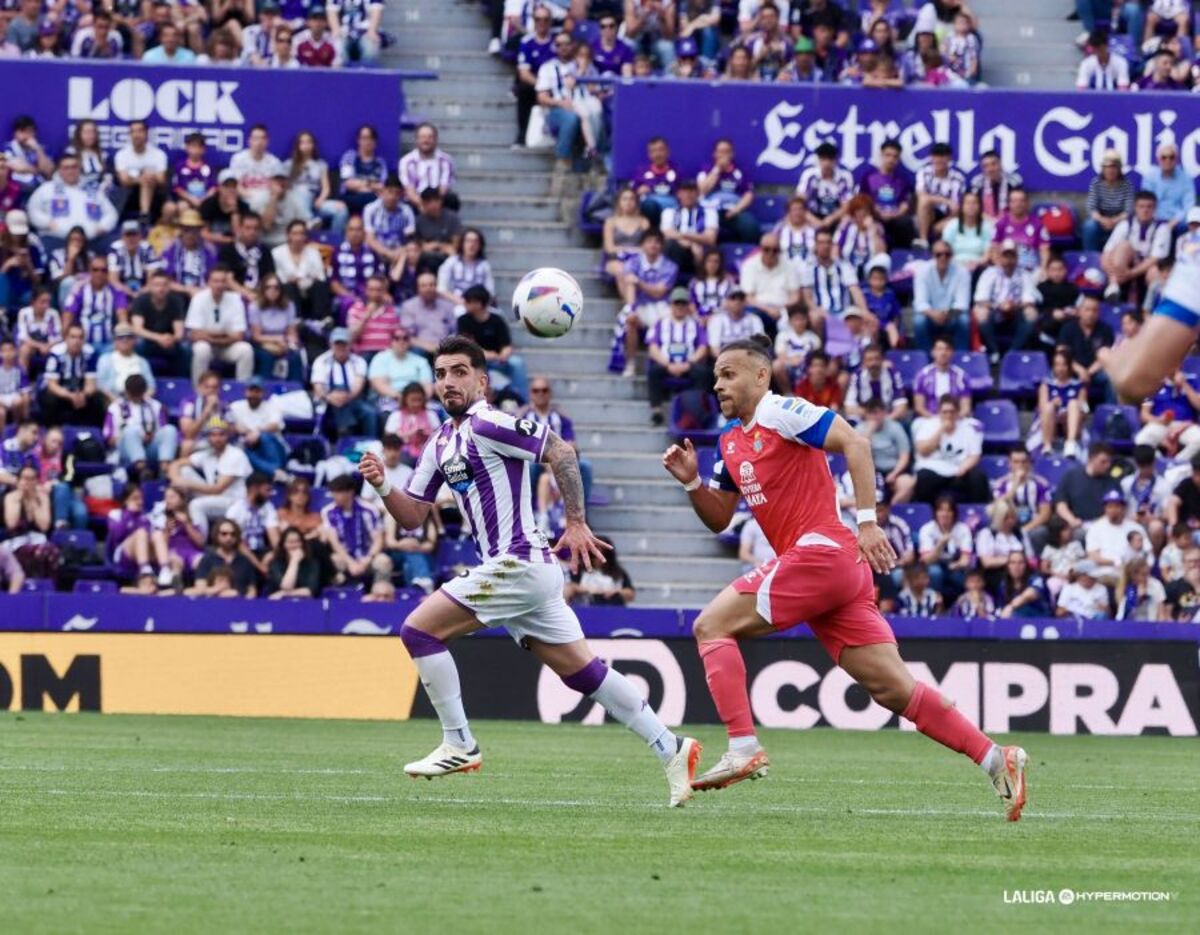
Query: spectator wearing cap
427,317
826,187
188,259
724,186
97,305
394,371
136,427
362,170
373,319
170,49
426,166
830,285
489,330
437,229
1135,248
948,452
862,68
677,351
891,189
1174,189
352,530
63,202
117,365
353,263
131,261
339,380
216,326
388,221
99,40
156,317
354,25
993,184
689,229
1005,302
254,168
1107,540
940,188
221,211
314,46
258,421
1109,201
732,322
1085,596
803,68
657,181
687,65
215,476
1079,497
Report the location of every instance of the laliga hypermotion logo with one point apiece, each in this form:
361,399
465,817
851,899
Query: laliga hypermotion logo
175,100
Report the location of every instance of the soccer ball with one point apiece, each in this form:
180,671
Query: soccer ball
548,302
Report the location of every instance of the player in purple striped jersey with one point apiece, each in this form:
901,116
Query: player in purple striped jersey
484,456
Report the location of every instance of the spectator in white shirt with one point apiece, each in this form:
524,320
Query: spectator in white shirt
1102,70
689,229
1006,298
339,379
942,300
215,476
254,168
1135,247
63,203
770,284
733,322
1085,596
948,453
258,520
299,266
1107,540
216,325
946,547
141,169
258,420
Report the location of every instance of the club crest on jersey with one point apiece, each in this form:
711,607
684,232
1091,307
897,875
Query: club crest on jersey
758,443
459,474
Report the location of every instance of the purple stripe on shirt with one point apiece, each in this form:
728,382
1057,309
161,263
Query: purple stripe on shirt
532,443
519,545
487,499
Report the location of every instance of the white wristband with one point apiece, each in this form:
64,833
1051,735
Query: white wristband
693,484
866,516
383,489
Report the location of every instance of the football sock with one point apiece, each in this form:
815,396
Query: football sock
616,694
744,746
725,672
439,675
938,719
993,760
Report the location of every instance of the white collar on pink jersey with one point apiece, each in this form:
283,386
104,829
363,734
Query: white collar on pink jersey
765,401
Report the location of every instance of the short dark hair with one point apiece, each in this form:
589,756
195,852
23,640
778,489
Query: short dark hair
1143,455
874,404
892,144
413,387
689,184
1099,448
194,137
941,149
816,356
651,234
430,193
392,441
393,181
345,482
759,345
135,385
461,344
258,478
217,268
827,150
942,339
479,294
1143,195
948,399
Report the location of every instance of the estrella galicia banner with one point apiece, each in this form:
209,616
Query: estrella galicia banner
1054,139
1060,687
221,103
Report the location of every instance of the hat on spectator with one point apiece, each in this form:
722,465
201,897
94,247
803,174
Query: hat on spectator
1114,496
852,312
1193,215
47,27
191,218
1008,246
16,222
216,424
879,261
867,46
131,227
687,48
1111,157
255,383
737,292
1086,567
123,331
226,175
339,335
316,12
803,44
680,294
269,6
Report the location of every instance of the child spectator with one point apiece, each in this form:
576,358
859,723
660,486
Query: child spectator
818,386
195,179
1170,559
882,301
917,598
975,602
14,385
607,584
961,49
1085,596
711,287
1060,556
794,345
1062,403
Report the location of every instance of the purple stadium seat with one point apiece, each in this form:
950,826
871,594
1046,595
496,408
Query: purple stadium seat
735,254
1100,419
152,492
1001,425
1021,372
837,465
915,514
350,442
994,466
706,458
38,585
974,515
1111,314
1078,263
1191,367
278,387
232,390
908,364
171,392
453,553
342,594
1051,468
769,209
79,540
95,586
979,373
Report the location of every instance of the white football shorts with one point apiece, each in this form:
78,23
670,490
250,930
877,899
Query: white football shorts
523,597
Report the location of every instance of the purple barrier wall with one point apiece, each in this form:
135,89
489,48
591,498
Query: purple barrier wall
1055,140
221,103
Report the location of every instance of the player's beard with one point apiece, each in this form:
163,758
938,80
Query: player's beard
456,406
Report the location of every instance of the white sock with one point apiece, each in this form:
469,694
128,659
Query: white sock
744,746
993,761
622,701
439,675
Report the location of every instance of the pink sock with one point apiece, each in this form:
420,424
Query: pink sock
938,719
725,671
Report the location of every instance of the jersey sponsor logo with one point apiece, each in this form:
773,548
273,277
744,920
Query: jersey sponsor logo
751,488
526,427
459,474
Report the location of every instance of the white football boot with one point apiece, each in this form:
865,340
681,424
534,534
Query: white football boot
445,760
681,770
733,768
1009,781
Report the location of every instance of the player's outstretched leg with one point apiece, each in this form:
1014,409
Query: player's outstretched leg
584,673
729,617
879,669
458,752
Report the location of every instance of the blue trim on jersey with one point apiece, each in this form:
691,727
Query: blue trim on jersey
1172,309
814,435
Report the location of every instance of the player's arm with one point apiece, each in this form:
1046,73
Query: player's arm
873,545
560,457
714,506
408,512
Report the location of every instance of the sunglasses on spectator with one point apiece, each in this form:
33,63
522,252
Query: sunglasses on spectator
539,389
941,253
1170,156
608,24
770,250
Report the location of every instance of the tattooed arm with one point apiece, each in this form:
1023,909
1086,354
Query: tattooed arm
578,538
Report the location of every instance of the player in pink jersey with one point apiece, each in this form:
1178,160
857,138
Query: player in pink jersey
775,459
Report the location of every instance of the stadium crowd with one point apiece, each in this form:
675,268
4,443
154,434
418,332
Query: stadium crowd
1146,45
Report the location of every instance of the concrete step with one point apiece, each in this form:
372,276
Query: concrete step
460,62
553,355
1044,28
624,466
414,16
478,132
505,207
526,234
509,256
667,520
444,110
585,410
632,437
597,338
717,572
624,492
1020,75
570,385
449,89
445,34
533,184
650,541
675,595
502,157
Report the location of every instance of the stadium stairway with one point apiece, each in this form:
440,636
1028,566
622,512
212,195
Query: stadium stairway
1028,43
672,559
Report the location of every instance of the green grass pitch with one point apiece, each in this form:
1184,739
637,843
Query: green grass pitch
181,825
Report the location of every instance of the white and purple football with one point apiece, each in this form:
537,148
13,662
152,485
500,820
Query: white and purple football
548,302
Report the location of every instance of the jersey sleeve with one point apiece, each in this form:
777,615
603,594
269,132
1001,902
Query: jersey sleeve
798,420
426,479
523,439
720,479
